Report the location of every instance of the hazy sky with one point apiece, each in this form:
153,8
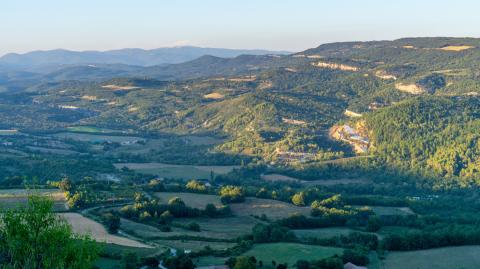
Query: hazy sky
271,24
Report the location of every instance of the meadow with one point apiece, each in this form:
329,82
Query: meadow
465,257
95,138
323,232
194,200
290,253
177,171
15,198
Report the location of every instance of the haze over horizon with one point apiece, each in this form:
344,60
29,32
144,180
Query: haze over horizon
28,25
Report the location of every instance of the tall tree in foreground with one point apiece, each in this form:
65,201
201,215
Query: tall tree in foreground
35,237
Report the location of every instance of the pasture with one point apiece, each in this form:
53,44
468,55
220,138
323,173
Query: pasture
440,258
90,129
322,232
209,260
220,228
52,150
279,177
271,208
331,182
314,182
193,245
390,210
15,198
290,252
177,171
194,200
94,138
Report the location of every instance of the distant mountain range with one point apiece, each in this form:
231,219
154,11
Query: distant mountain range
34,60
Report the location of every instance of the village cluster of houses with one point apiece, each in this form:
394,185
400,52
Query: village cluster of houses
348,134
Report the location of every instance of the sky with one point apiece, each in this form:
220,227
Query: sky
292,25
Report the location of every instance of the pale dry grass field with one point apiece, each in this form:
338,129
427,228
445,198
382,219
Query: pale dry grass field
214,95
456,48
409,88
119,88
83,225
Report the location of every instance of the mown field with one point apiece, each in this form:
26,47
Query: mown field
177,171
290,253
466,257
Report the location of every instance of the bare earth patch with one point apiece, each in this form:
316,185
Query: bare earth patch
409,88
342,67
214,95
293,121
456,48
119,88
83,225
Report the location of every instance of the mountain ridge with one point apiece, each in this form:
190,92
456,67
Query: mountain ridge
129,56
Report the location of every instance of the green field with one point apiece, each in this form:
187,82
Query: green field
88,129
390,210
290,253
323,232
208,261
220,228
466,257
388,230
251,207
191,199
271,208
52,150
193,245
14,198
94,138
177,171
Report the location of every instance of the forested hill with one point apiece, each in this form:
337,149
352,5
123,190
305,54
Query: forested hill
409,104
138,57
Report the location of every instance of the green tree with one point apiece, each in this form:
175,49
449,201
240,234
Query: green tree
182,261
129,260
374,224
299,199
112,221
35,237
244,263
